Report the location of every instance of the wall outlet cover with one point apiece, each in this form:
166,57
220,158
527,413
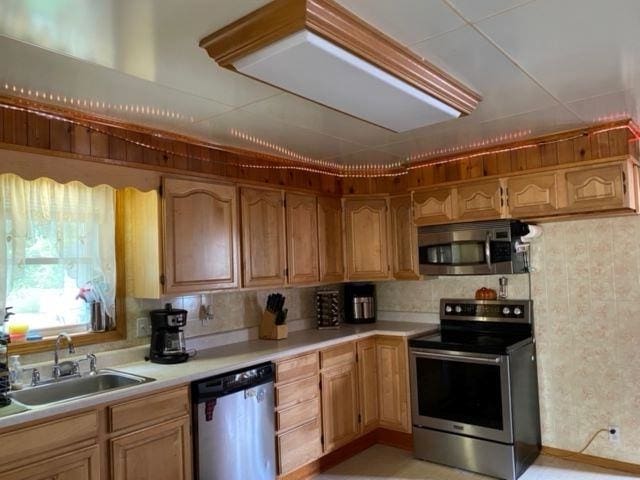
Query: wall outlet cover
143,327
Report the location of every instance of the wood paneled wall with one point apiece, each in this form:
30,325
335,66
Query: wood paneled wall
123,146
99,142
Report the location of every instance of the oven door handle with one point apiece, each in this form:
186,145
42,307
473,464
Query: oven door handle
487,250
459,358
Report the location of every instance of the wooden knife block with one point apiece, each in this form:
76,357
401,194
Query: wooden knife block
269,330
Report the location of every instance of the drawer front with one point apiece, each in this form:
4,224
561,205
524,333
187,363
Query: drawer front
297,415
299,446
161,406
340,355
297,368
297,392
34,440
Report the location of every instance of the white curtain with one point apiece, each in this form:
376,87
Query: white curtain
80,218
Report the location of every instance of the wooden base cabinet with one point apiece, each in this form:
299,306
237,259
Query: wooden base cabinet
161,452
367,384
393,383
82,464
298,423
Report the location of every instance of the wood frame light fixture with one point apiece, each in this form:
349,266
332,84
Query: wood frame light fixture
321,51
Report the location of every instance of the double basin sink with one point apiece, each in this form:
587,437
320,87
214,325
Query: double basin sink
76,387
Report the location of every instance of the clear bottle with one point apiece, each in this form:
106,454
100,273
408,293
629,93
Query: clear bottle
15,372
503,292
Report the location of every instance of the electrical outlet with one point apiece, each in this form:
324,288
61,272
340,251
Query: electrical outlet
614,433
143,327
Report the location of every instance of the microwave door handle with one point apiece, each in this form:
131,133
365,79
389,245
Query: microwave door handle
487,250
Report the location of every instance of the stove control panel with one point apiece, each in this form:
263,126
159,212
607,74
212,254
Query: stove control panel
518,311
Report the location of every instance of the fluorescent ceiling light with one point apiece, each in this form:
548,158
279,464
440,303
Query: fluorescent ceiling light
318,50
310,66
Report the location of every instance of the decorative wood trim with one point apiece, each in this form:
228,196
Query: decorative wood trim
335,23
592,460
332,459
270,23
394,438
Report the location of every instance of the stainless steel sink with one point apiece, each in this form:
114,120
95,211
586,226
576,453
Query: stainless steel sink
67,389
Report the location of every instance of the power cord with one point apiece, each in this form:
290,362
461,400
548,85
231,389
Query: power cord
593,437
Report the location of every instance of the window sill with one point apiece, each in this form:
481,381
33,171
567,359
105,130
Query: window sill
79,339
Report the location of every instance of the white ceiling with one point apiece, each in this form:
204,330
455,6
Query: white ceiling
540,66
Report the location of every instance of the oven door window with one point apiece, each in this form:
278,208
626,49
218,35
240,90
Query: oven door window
460,392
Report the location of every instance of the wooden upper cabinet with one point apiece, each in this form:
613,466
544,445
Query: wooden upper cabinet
367,238
532,195
434,206
302,238
479,201
200,235
330,239
263,237
600,188
404,239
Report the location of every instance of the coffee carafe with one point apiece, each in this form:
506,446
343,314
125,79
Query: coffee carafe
167,337
360,302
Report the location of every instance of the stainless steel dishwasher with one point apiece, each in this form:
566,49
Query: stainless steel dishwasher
233,419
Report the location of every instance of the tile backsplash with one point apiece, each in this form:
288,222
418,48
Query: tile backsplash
586,290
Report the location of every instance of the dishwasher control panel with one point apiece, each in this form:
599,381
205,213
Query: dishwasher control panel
233,381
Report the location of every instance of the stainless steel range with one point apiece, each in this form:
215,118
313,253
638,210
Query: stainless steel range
474,388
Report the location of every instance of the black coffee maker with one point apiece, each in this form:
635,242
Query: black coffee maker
167,337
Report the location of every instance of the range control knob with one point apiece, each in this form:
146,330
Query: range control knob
448,309
458,309
506,311
517,311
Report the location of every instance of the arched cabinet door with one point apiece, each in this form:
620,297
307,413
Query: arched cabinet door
302,238
200,222
263,237
404,239
367,238
330,239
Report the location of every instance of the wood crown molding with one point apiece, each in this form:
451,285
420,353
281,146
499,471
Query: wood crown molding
338,25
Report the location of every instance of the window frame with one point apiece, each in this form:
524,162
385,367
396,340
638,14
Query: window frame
92,338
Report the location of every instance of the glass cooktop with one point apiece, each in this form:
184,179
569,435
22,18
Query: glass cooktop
478,342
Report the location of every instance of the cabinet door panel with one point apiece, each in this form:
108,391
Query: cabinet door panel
367,239
432,207
393,383
161,452
404,239
200,235
479,201
532,195
302,238
339,406
368,384
330,239
81,464
599,188
263,237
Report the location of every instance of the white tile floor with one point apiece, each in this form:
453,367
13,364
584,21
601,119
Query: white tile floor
382,462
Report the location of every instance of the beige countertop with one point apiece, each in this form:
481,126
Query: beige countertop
220,360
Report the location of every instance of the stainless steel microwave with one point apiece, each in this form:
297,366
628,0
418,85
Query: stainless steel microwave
477,248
